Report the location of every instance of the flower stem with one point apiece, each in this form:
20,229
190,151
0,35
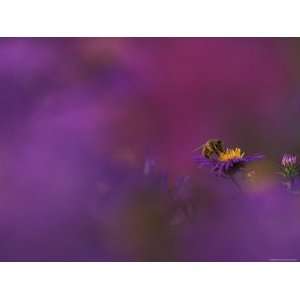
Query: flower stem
290,185
235,182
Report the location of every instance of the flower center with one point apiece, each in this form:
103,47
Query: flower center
230,154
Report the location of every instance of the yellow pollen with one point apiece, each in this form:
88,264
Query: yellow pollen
231,154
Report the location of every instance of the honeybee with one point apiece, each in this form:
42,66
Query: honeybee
213,146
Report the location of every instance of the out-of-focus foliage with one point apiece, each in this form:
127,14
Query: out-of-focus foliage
80,116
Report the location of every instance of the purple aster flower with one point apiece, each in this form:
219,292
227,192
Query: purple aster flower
227,163
288,160
290,169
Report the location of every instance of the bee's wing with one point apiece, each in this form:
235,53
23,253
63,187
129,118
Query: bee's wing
198,148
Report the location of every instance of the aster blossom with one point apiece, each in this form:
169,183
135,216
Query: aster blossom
289,165
289,170
227,162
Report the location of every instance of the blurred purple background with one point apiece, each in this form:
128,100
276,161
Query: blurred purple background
80,116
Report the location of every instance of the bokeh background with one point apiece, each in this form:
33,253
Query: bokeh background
96,141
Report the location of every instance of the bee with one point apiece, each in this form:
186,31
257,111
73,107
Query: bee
213,146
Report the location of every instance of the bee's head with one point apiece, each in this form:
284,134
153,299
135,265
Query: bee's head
219,145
